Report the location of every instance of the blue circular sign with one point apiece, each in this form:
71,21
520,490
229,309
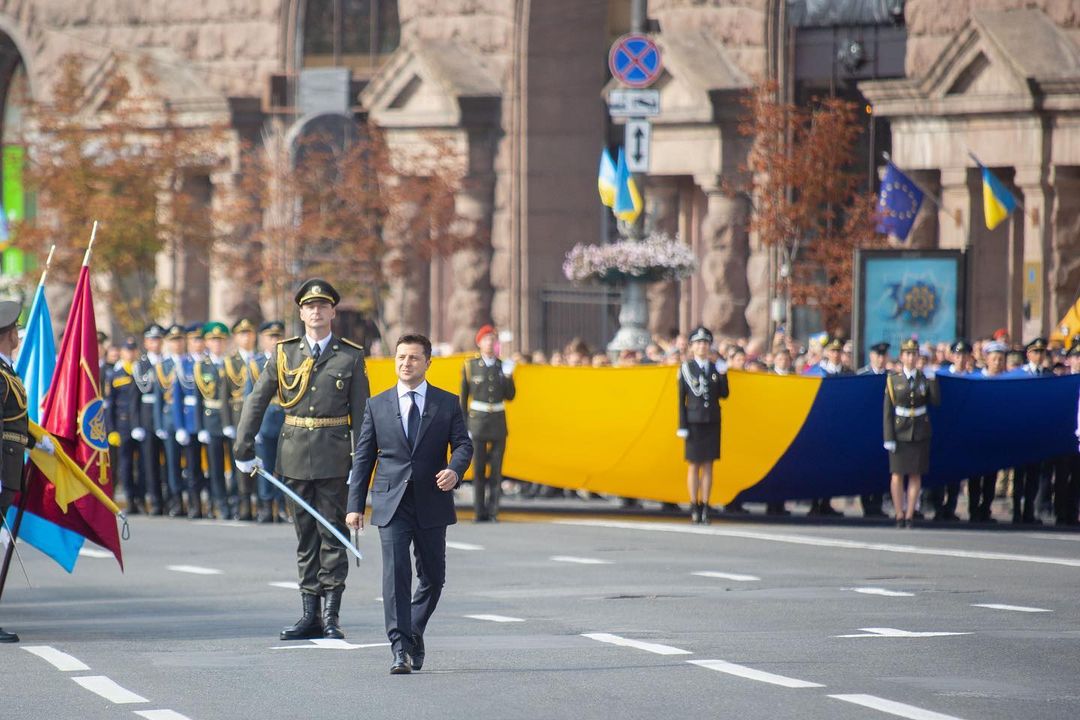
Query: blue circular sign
635,60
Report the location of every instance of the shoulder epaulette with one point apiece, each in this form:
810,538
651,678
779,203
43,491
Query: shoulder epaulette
352,344
289,340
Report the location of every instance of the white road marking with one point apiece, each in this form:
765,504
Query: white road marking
752,674
727,576
883,592
824,542
1014,608
463,546
94,553
194,570
495,618
893,708
1053,536
894,633
579,560
161,715
223,523
638,644
109,690
59,660
288,585
330,644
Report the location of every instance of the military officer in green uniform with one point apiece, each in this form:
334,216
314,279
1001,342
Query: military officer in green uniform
908,395
321,383
214,423
241,369
487,383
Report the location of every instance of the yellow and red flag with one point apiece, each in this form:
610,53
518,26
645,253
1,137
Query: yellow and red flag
74,414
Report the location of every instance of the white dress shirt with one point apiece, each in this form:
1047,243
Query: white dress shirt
405,402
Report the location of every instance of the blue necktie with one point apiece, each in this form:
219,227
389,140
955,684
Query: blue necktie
413,422
315,352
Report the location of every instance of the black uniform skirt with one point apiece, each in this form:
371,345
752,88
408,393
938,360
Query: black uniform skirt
910,458
703,442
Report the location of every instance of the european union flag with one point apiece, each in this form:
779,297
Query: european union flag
898,203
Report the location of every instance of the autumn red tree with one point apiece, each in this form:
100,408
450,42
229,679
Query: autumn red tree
807,201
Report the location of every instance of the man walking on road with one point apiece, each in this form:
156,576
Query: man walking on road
408,429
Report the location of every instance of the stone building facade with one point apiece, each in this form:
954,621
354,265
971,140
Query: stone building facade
517,88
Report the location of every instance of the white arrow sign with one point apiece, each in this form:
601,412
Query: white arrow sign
634,103
638,135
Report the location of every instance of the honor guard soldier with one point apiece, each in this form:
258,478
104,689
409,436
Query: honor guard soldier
144,375
487,383
165,418
266,440
944,499
241,369
830,366
186,408
879,355
321,382
702,384
13,421
908,395
1030,479
214,418
122,407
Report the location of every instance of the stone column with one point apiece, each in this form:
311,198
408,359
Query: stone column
662,212
229,298
470,276
1064,242
405,304
955,223
1035,221
726,250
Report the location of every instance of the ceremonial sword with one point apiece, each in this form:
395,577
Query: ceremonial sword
311,511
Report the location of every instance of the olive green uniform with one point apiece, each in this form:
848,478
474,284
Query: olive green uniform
484,393
323,401
907,422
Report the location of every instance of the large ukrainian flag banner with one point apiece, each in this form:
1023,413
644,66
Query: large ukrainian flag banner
612,430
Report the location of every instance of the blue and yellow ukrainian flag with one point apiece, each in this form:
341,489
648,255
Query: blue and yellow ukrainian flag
998,202
607,179
628,202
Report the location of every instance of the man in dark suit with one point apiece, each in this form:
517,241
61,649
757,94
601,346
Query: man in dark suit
408,429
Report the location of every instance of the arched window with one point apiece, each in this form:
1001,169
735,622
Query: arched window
357,34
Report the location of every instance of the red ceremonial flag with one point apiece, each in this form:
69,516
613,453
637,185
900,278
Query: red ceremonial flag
73,411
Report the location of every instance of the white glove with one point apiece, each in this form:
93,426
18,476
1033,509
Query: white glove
683,433
229,431
248,466
183,437
721,366
138,434
259,437
161,434
890,445
508,367
204,437
45,444
930,373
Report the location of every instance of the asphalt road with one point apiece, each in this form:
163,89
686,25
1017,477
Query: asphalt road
564,617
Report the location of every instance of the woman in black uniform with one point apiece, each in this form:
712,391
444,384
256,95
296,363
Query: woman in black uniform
701,386
908,394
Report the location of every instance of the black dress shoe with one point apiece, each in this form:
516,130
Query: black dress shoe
402,663
8,637
418,652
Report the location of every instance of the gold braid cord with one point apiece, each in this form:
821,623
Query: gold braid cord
208,389
301,376
166,381
16,388
236,377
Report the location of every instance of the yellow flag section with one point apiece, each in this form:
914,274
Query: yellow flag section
612,430
67,477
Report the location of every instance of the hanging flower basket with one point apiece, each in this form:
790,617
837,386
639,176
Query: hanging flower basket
657,257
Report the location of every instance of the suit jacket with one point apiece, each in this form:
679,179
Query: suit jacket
382,439
700,392
334,389
902,393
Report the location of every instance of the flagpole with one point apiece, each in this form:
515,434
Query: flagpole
90,247
926,193
48,262
1016,200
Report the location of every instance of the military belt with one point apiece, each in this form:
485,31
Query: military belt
487,407
148,399
316,422
16,438
911,412
213,404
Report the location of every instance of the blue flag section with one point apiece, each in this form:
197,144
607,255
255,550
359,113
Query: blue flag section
982,425
898,203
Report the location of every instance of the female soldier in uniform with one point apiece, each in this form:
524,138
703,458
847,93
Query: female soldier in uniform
701,386
908,394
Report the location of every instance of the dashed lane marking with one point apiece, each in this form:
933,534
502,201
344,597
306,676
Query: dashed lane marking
883,592
496,618
895,633
193,569
463,546
330,644
637,644
727,576
108,689
825,542
93,553
59,660
1014,608
579,560
752,674
894,708
287,584
223,523
161,715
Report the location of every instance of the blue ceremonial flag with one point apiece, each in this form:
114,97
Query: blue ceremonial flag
898,203
35,366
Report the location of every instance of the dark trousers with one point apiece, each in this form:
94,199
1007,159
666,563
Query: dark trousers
871,504
173,451
196,481
266,450
487,476
1025,489
981,490
125,471
215,464
1067,488
408,616
322,562
944,500
150,481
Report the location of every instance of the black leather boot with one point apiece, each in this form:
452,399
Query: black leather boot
8,637
331,628
244,509
263,515
695,513
309,625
